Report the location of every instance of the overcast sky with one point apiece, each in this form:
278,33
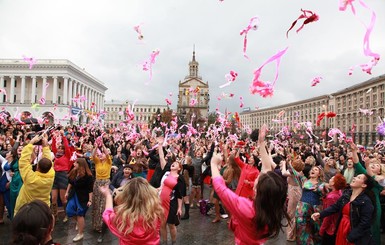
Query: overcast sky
99,36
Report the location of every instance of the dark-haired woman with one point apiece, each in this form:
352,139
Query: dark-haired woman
33,225
122,177
373,168
79,194
249,174
10,181
16,181
61,165
254,221
329,224
356,210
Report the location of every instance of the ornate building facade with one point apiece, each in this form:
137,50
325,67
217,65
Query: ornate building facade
193,94
60,82
115,112
368,95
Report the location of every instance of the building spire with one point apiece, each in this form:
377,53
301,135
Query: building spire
193,65
193,59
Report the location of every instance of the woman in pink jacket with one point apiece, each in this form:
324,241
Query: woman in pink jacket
254,221
139,213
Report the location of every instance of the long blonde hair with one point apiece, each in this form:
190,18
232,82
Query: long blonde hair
140,201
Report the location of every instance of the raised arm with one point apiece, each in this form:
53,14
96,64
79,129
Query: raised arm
25,166
207,159
67,150
265,157
53,145
162,160
105,151
192,147
46,150
95,150
354,149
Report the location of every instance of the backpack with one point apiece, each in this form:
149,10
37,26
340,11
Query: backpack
203,208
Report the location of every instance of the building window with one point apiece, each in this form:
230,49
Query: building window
5,83
15,83
14,98
58,99
59,85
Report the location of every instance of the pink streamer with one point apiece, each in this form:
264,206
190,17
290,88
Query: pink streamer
2,90
168,101
309,17
225,96
315,81
241,99
344,4
193,102
44,92
366,45
139,31
30,60
147,65
366,112
253,25
230,77
266,88
336,131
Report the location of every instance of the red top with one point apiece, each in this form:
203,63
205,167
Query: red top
344,227
249,173
62,163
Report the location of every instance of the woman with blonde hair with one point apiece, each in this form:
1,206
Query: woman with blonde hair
138,215
307,231
79,194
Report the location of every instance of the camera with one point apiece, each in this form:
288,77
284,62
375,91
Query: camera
47,131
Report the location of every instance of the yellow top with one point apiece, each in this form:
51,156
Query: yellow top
36,185
102,169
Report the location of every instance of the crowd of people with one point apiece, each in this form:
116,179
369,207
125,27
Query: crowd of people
141,183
